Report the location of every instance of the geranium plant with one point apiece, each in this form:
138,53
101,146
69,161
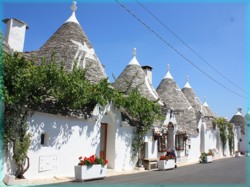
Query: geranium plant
89,161
167,157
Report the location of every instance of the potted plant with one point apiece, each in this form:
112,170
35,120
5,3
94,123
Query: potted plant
237,153
166,162
92,167
206,157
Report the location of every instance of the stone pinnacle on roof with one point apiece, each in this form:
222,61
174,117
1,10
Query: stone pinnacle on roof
205,102
239,112
72,18
187,85
134,61
168,75
208,112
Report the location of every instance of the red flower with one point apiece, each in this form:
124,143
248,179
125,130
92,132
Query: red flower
102,155
89,161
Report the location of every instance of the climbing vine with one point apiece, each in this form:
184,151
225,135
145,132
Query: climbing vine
142,114
48,87
226,133
230,138
222,124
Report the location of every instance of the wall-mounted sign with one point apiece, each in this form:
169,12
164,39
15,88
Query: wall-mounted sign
47,163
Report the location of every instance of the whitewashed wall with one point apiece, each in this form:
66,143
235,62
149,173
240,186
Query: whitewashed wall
68,138
211,139
151,146
123,149
243,143
194,152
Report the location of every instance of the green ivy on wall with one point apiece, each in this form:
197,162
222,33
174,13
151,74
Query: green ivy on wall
226,133
230,138
222,124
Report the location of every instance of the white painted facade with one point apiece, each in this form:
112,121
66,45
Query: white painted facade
67,138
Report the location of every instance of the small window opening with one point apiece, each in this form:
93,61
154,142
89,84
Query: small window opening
44,139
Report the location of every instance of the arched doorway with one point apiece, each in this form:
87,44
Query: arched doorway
170,137
107,138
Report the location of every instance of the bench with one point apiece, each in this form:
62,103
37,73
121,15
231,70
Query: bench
150,163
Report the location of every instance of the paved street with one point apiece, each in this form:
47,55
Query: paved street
223,171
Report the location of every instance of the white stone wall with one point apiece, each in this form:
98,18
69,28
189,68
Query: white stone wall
123,149
194,152
243,144
211,139
151,146
68,138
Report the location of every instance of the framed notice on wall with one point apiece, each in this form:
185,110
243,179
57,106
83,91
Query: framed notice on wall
47,163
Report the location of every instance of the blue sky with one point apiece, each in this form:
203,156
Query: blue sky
216,31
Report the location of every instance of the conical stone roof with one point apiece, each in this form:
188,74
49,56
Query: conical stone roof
200,109
133,77
69,44
191,97
208,111
239,120
172,96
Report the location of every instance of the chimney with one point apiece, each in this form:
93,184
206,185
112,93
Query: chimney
15,33
148,71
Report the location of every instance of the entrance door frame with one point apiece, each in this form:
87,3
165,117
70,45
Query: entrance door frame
105,127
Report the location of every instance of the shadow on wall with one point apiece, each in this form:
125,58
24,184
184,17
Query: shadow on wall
57,131
125,134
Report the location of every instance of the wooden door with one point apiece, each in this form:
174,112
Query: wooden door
103,140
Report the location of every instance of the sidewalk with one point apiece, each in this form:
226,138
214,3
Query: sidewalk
110,172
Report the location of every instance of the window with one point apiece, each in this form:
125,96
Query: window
162,143
44,139
179,142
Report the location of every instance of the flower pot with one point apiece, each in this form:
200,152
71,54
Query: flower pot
166,164
237,154
95,171
209,158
